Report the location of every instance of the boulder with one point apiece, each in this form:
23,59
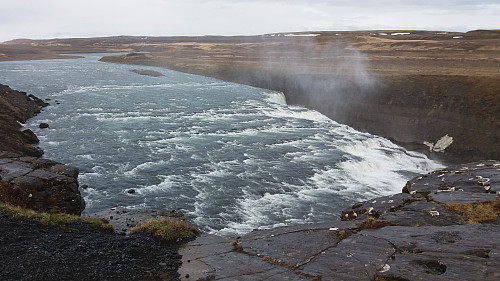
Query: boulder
30,137
40,184
43,125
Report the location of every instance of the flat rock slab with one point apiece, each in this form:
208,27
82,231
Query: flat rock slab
459,197
358,257
294,245
195,254
422,213
459,252
212,257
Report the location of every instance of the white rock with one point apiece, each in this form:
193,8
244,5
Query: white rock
434,213
441,144
385,268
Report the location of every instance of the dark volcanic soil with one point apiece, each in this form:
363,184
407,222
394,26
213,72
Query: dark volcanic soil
31,251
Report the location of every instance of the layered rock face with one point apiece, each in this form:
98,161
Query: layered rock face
16,108
413,110
413,88
25,179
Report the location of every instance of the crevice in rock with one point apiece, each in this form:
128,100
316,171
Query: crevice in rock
204,257
361,262
388,257
294,268
288,232
408,250
434,267
311,258
390,278
481,253
248,274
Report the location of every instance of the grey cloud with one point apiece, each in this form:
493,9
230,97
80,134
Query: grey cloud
50,18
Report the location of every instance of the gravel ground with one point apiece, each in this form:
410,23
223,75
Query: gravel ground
31,251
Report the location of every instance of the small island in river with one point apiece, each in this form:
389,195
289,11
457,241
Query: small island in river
147,72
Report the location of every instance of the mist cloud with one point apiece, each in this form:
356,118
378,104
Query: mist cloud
330,77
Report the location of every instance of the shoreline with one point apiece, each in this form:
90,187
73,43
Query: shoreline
30,181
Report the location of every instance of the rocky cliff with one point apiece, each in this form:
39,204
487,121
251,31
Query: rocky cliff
409,86
15,109
413,88
31,250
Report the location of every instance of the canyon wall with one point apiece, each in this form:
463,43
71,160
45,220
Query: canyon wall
409,86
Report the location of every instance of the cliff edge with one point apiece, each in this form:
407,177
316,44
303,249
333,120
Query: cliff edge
413,87
444,226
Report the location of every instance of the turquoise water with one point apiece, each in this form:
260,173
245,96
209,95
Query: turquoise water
232,157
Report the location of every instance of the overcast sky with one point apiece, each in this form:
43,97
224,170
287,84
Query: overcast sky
38,19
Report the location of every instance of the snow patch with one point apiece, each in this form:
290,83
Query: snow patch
441,144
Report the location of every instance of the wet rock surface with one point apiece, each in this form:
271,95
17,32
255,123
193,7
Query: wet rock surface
406,236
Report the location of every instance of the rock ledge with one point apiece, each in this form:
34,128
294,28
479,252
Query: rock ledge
406,236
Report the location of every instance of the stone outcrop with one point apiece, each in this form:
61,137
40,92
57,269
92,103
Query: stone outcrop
15,109
25,179
414,235
39,184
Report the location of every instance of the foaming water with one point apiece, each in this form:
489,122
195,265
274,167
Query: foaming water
232,157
